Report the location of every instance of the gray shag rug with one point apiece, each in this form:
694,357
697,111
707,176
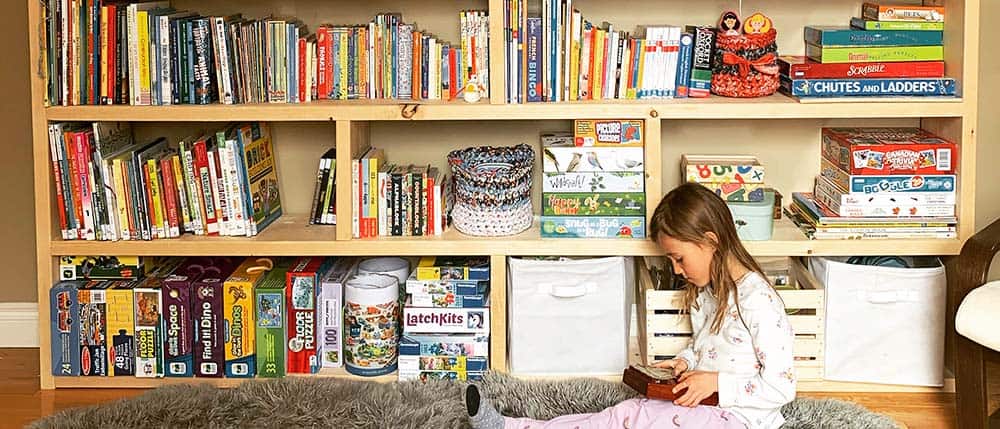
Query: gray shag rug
340,403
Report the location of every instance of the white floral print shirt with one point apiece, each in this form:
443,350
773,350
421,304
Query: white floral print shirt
754,360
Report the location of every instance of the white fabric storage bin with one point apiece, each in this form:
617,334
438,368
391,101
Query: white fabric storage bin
884,324
569,317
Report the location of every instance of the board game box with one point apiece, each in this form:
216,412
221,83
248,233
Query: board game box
271,321
209,316
592,159
453,268
93,329
801,67
607,132
240,333
100,267
422,320
594,204
302,292
888,151
722,169
623,181
64,323
121,328
331,312
593,226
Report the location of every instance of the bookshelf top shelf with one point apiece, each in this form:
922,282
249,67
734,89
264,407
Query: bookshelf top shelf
292,236
775,106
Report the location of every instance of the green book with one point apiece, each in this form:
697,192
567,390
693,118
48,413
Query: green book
594,204
866,24
860,54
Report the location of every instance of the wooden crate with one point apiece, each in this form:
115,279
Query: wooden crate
663,335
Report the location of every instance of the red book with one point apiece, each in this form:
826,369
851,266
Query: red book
88,25
455,85
204,176
417,66
169,193
431,206
302,290
112,42
800,67
129,201
302,70
324,73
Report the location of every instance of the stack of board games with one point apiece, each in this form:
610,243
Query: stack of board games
891,50
148,53
396,199
109,187
206,316
446,320
556,54
739,180
593,181
881,183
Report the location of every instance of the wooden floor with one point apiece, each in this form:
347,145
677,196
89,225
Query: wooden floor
21,402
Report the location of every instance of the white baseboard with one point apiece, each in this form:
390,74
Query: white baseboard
18,324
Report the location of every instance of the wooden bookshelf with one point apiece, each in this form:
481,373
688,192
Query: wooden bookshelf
784,131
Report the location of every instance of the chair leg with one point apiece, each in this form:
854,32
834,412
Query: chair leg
970,385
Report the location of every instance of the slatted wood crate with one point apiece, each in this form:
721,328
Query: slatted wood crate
664,330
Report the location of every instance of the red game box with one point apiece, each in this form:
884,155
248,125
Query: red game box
884,151
303,281
800,67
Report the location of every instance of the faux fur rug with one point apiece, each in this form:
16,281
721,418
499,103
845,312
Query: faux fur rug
339,403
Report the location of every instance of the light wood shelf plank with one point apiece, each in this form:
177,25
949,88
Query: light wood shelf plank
292,235
773,107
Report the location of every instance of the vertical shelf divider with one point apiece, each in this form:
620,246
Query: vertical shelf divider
353,137
498,313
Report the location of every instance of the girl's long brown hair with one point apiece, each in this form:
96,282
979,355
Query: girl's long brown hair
686,214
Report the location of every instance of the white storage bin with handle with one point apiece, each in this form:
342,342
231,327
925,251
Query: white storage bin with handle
884,324
570,316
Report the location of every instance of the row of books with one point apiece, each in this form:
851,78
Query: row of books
891,50
152,54
560,56
397,199
109,188
447,320
881,183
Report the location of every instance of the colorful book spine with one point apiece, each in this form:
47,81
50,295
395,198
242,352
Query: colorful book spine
860,54
846,36
684,65
593,227
799,67
534,54
868,87
701,64
875,25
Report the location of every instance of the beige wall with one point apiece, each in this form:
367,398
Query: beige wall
17,237
987,191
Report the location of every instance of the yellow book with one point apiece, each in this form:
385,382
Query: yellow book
103,96
642,67
156,217
121,330
175,162
342,59
574,58
373,163
122,199
145,91
238,310
599,59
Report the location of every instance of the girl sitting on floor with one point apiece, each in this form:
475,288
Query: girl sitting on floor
741,343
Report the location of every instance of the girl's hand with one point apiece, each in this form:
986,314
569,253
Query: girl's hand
678,365
699,385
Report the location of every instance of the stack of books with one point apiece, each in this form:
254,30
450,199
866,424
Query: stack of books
889,51
593,181
881,183
446,320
